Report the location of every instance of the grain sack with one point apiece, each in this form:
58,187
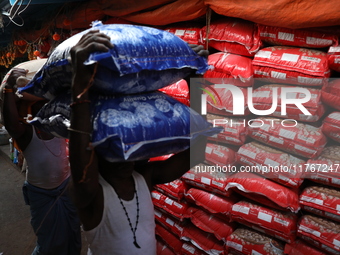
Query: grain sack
208,178
302,140
230,68
330,94
219,155
168,205
321,197
189,249
306,38
264,191
171,240
263,100
281,225
178,91
299,66
169,222
163,249
224,101
142,59
232,133
174,189
249,242
334,58
210,223
325,169
331,126
299,247
321,230
190,34
321,213
320,246
129,127
213,203
270,163
232,35
204,241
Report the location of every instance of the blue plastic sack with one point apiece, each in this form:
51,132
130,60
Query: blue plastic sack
142,59
131,127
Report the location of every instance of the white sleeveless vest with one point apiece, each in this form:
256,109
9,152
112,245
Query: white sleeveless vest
113,235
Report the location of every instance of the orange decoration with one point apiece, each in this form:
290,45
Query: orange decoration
36,53
8,54
56,37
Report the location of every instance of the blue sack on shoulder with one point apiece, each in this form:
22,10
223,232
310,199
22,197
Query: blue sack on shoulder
143,59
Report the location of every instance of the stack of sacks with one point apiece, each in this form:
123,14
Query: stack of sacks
131,120
330,94
334,58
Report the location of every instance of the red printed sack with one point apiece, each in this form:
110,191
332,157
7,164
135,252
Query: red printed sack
282,225
331,126
330,94
271,163
290,65
219,155
179,91
174,189
296,37
263,100
189,34
230,69
297,138
250,242
321,230
264,191
334,58
171,223
233,36
299,247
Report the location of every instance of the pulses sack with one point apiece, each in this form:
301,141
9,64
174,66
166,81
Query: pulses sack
142,59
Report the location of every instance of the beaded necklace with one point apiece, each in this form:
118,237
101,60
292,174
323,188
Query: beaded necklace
133,230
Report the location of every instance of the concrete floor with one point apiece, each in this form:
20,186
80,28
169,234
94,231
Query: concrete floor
16,233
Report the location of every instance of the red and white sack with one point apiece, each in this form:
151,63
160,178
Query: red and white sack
230,68
270,163
263,100
189,249
233,133
290,65
282,225
208,178
174,189
296,37
166,204
331,126
302,139
322,247
219,155
264,191
204,241
334,58
169,238
330,94
233,35
163,248
321,230
322,198
210,223
169,222
249,242
179,91
325,169
222,104
189,34
211,202
322,214
299,247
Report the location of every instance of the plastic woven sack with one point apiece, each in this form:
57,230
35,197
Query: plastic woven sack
299,247
330,94
281,225
331,126
233,36
334,58
307,38
263,100
230,69
299,66
142,59
219,155
302,140
131,127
